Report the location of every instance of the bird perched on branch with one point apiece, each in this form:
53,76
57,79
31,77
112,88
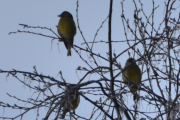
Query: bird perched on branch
132,76
67,30
71,100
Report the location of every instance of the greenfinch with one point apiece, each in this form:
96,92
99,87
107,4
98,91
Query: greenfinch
67,30
71,101
132,76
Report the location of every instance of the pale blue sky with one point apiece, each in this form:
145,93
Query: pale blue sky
23,51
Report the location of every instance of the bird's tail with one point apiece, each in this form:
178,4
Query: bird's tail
63,114
134,89
69,46
69,51
135,97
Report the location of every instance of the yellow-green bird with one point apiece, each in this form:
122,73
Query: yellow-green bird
132,76
71,102
67,30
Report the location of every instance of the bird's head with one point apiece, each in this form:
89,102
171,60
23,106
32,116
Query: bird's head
65,14
130,61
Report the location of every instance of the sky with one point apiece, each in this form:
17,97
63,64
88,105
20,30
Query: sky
22,51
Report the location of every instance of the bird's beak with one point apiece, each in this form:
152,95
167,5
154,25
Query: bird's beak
138,59
59,15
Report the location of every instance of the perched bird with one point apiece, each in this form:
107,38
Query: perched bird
71,100
132,76
67,30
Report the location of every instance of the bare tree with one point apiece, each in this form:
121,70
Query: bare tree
156,45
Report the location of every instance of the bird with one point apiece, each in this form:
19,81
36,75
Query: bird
67,30
71,100
132,76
